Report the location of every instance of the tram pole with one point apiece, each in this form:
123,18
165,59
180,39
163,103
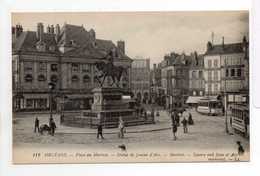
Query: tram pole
226,98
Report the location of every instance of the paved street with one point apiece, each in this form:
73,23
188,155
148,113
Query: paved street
208,133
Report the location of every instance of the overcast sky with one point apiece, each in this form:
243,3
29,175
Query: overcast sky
154,34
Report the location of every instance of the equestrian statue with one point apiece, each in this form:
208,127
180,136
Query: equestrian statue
109,70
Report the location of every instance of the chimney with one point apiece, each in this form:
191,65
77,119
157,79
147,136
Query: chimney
223,42
17,30
154,66
244,44
52,29
13,30
92,34
209,46
57,32
48,29
40,31
121,46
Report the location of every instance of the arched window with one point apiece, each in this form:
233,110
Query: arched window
86,79
75,78
28,78
54,78
41,78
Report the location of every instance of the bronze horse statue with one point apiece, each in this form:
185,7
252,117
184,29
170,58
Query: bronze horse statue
109,69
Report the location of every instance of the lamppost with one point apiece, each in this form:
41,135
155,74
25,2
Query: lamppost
51,88
226,98
64,99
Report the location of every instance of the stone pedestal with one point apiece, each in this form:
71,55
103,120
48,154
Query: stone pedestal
106,109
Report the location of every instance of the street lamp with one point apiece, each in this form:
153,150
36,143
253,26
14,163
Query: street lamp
63,107
51,86
226,98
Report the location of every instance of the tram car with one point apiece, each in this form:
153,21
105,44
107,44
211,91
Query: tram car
240,118
208,106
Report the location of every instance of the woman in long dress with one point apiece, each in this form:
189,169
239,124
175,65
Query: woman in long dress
121,127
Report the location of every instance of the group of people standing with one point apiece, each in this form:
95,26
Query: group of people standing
186,120
44,127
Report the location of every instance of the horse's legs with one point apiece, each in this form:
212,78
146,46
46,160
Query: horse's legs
113,80
103,79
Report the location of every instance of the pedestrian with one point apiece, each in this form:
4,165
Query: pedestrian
145,115
246,123
50,121
174,129
52,127
177,116
121,127
61,118
223,110
240,148
173,116
100,131
190,120
152,113
185,125
36,125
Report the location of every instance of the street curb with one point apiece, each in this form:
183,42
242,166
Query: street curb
142,131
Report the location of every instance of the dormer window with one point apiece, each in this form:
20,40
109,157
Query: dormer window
72,42
41,46
52,48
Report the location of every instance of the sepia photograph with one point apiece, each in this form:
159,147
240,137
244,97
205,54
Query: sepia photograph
130,87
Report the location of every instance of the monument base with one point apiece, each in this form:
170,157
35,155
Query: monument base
107,108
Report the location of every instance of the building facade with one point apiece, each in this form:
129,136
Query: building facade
140,80
157,92
64,56
226,70
212,70
175,79
196,75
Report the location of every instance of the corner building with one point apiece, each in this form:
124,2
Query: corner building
227,70
65,56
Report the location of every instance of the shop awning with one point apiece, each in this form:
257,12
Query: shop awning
193,99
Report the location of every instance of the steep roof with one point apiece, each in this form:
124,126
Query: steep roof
227,49
26,41
81,43
182,60
76,33
197,62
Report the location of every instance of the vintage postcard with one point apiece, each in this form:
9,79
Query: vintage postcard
123,87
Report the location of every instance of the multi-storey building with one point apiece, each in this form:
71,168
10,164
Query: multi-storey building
226,69
235,72
156,85
196,77
212,69
140,79
175,79
64,56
